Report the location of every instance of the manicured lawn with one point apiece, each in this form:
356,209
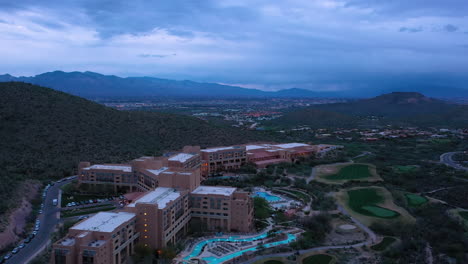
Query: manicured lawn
364,201
351,172
464,214
415,200
318,259
387,241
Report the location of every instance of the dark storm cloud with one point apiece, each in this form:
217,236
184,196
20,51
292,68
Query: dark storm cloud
450,28
411,30
320,44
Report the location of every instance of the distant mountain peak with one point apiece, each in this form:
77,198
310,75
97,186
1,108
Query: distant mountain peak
403,98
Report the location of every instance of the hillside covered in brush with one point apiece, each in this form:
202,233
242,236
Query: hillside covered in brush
45,133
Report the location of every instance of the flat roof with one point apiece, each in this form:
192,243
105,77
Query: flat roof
104,221
160,196
109,167
158,171
220,148
181,157
252,147
291,145
226,191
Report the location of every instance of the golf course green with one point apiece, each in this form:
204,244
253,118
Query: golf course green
318,259
364,201
351,172
415,200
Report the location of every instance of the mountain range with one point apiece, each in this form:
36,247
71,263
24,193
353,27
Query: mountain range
399,108
91,85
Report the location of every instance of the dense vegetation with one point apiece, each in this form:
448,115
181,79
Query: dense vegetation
386,241
318,259
45,133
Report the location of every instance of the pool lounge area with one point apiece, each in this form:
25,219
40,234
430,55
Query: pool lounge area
269,197
198,249
275,200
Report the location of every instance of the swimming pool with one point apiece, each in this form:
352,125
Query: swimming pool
267,196
216,260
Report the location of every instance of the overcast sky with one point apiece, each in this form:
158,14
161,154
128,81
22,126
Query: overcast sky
267,44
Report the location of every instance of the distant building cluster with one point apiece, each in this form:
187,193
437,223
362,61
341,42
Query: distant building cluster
169,196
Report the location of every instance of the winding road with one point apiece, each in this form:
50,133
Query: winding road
447,159
49,220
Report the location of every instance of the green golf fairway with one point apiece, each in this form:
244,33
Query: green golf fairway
351,172
380,211
415,200
364,201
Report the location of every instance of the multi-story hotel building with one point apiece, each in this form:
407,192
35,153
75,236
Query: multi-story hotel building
105,238
171,196
222,208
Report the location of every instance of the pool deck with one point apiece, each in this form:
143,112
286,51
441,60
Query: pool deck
204,248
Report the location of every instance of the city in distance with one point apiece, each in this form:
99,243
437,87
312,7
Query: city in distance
331,131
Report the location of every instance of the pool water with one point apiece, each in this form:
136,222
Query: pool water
216,260
267,196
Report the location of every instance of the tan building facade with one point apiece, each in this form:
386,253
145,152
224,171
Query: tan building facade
105,238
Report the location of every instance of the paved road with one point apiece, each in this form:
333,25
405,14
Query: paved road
447,159
49,219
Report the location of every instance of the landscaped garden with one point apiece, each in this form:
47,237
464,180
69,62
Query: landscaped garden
415,200
387,241
365,201
318,259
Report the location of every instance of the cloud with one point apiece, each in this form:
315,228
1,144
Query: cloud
292,43
450,28
155,55
411,30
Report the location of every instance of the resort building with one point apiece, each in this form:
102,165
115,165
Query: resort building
223,159
167,197
106,237
222,208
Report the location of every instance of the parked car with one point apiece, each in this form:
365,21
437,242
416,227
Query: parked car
34,233
7,256
22,245
27,240
15,250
